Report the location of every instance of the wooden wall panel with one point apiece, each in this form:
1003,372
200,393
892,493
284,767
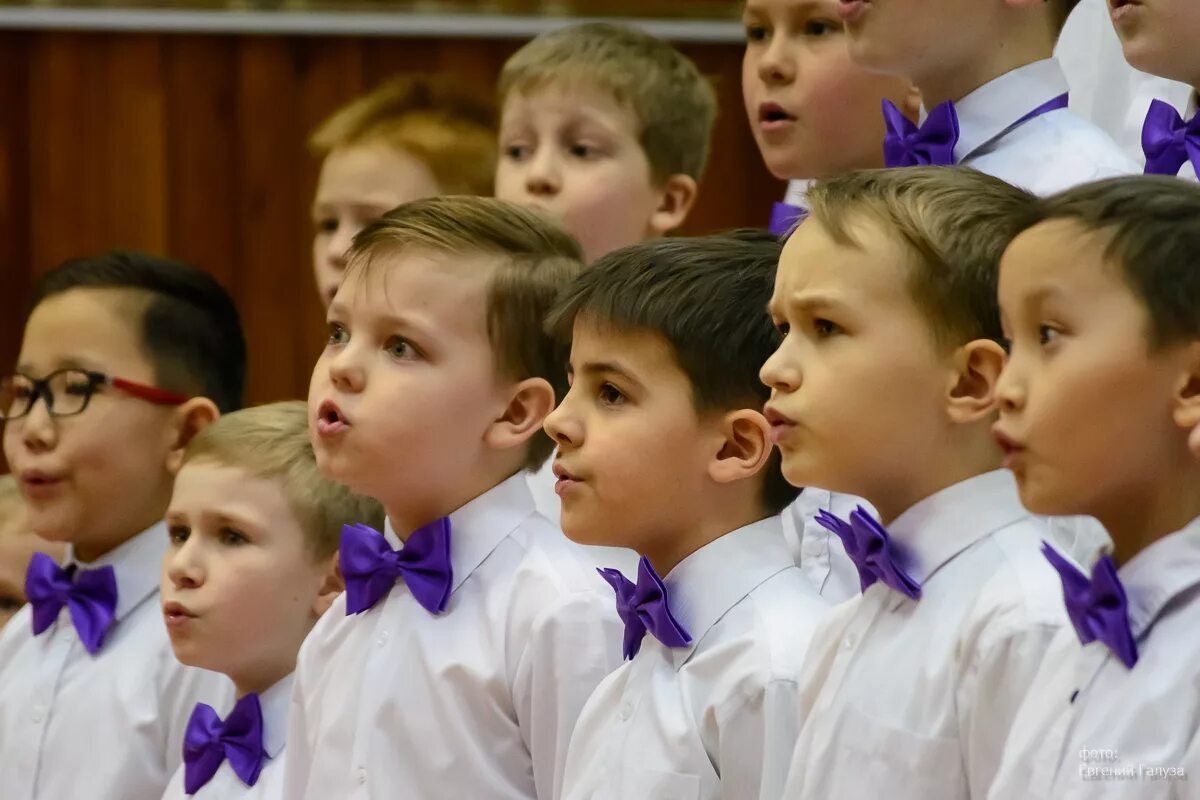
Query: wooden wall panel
194,146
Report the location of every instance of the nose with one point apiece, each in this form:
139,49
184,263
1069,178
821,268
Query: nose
563,425
780,372
543,174
1010,389
182,565
38,429
346,371
777,65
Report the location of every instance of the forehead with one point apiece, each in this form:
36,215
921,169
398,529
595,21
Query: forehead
1057,256
205,485
567,102
373,173
446,289
871,270
91,328
645,353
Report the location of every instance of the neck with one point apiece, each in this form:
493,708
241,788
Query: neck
1160,505
259,680
409,512
972,453
716,518
942,82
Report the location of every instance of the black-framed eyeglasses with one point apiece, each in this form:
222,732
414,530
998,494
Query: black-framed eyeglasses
67,392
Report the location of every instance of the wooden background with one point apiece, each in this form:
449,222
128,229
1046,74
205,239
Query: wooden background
193,146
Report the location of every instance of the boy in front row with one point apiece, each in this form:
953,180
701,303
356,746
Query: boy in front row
884,387
457,665
254,531
663,449
1101,300
125,358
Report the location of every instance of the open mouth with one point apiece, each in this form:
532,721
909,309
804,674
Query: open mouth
176,614
852,10
774,115
330,419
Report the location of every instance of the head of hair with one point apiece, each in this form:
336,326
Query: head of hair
190,329
955,223
707,297
533,259
674,105
271,443
1150,225
438,120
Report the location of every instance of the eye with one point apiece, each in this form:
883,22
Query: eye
1006,343
178,534
755,33
231,537
401,349
77,386
580,150
327,225
818,28
1047,335
783,328
610,395
338,334
823,328
517,152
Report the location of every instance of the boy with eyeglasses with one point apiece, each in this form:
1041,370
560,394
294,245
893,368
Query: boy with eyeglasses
124,359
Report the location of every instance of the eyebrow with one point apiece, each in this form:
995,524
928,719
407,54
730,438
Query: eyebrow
66,363
594,368
811,304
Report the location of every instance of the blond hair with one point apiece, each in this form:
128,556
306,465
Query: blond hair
673,103
956,223
437,120
534,260
271,442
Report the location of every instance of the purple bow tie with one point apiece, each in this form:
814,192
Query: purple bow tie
870,548
371,567
1097,606
209,741
89,594
784,217
644,608
906,145
1168,141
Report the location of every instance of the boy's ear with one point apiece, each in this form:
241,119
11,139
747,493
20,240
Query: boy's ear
190,418
971,394
333,585
531,402
745,446
1187,396
678,194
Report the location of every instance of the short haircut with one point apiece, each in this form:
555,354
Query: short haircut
190,329
956,223
1151,226
673,103
438,120
272,443
707,297
534,259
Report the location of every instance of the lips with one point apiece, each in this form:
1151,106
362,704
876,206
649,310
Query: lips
330,420
852,11
36,484
781,425
1011,448
566,479
772,117
1120,9
177,615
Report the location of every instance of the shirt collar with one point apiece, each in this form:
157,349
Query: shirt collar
275,703
944,524
1159,574
993,109
797,192
712,580
137,564
479,526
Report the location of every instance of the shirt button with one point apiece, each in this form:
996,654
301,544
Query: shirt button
39,713
382,640
361,775
626,711
849,642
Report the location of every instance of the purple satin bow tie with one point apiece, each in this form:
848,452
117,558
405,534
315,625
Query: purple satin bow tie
1168,141
1097,606
89,594
209,741
870,548
784,217
906,145
371,567
643,607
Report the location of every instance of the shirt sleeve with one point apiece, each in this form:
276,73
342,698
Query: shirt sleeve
758,736
571,647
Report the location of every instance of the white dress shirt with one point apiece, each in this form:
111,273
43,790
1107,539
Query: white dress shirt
1047,154
1087,710
819,552
476,702
1104,88
107,726
225,784
913,698
718,718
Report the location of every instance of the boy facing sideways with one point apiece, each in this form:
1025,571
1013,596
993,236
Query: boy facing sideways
663,449
254,532
884,387
124,359
456,665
